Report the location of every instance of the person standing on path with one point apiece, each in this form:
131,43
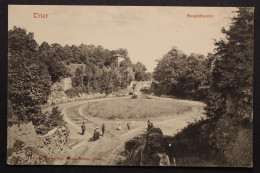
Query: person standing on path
83,128
150,125
119,127
128,126
103,129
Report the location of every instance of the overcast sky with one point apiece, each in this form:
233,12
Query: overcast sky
146,32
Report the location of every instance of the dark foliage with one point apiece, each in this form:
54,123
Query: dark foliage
50,121
219,140
28,78
181,75
231,87
74,91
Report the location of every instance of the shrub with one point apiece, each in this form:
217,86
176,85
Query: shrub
134,96
145,91
212,142
120,93
52,120
75,92
132,151
144,149
56,118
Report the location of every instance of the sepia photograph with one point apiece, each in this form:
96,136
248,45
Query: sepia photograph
130,85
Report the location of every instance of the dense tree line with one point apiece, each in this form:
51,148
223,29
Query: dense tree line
33,68
101,74
181,75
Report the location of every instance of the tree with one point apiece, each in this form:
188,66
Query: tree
148,76
168,70
20,42
139,70
52,57
44,47
125,64
181,75
232,77
28,79
57,71
77,80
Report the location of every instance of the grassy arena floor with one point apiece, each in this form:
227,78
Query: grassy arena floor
136,108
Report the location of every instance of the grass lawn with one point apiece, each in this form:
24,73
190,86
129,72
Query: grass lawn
136,108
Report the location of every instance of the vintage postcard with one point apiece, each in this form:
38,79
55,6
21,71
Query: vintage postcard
130,85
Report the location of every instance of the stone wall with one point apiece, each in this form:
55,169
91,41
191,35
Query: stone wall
81,97
65,84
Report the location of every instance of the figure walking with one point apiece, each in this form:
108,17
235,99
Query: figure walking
103,129
83,128
128,126
149,125
119,127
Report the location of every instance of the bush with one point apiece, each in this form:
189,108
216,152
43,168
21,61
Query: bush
56,118
194,145
213,143
132,152
75,92
120,93
145,91
52,120
145,149
134,96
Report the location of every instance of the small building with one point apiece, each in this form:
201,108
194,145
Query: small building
116,59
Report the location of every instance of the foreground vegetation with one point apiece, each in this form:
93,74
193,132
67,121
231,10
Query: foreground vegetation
136,108
197,145
209,143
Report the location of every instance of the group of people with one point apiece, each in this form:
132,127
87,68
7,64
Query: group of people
97,133
119,127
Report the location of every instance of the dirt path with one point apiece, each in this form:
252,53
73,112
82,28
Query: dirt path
105,150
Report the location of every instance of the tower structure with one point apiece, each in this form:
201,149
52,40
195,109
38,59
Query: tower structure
116,59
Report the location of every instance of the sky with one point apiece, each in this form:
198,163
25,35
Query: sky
148,33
